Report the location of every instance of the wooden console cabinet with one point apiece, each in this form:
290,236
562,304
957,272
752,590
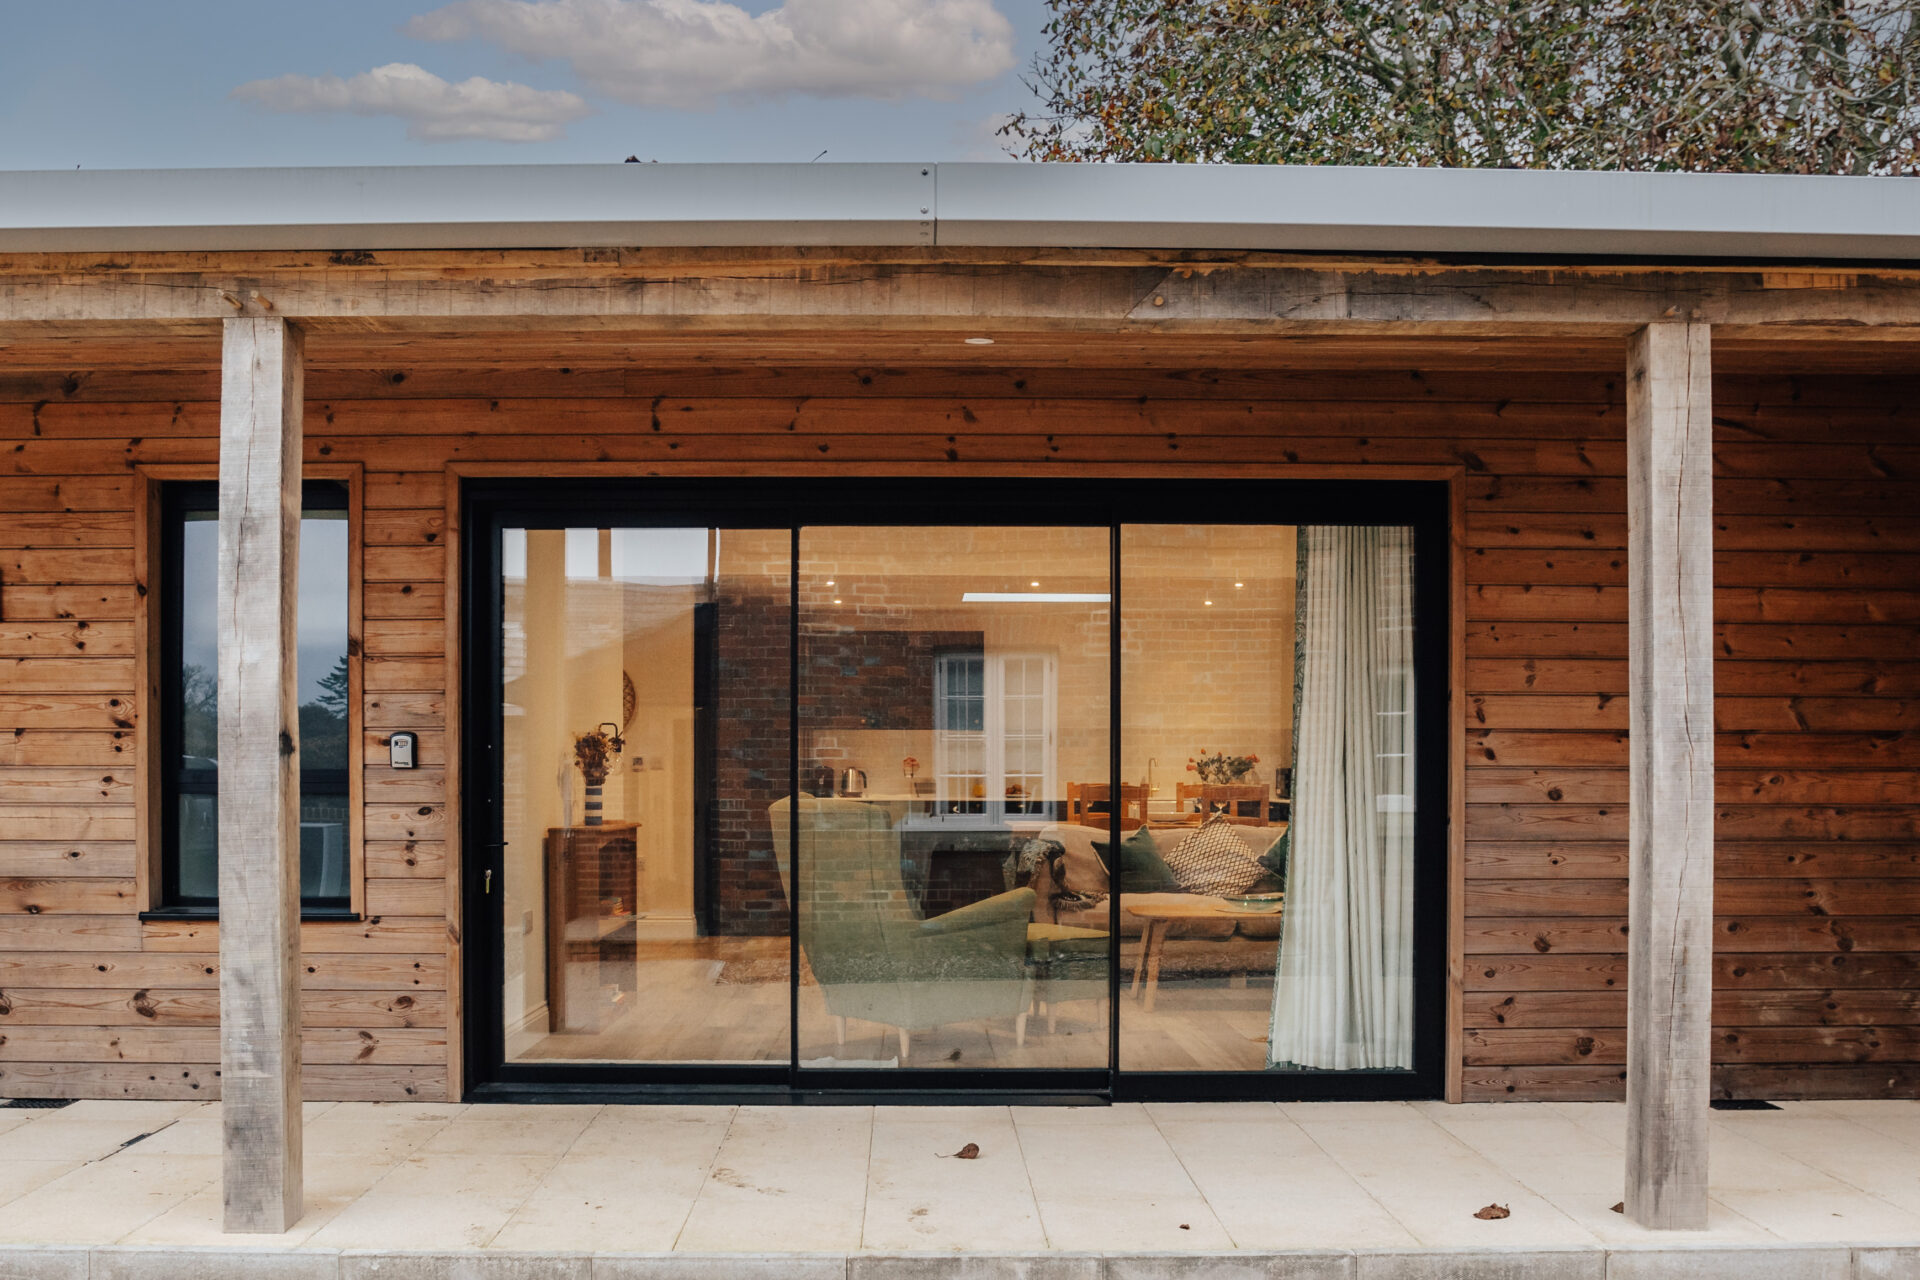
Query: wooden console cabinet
593,896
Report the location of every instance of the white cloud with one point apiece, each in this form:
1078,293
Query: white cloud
686,53
434,109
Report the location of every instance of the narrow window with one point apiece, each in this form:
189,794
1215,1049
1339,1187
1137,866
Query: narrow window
190,852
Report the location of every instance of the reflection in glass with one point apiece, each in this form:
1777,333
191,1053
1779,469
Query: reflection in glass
954,686
325,861
645,671
1266,892
949,855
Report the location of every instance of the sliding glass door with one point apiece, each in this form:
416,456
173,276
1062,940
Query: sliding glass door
866,785
643,720
1270,690
954,687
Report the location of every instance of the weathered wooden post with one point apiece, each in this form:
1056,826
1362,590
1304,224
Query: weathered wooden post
261,384
1670,674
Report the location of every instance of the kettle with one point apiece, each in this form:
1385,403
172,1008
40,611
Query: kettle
853,782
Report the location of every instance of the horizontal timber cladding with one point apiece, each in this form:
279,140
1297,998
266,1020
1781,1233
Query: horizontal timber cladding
1817,516
1817,814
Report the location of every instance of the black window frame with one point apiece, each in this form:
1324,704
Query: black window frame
761,503
177,498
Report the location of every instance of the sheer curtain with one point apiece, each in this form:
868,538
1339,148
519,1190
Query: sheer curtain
1342,998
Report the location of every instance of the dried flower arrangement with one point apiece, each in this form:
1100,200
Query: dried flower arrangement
593,752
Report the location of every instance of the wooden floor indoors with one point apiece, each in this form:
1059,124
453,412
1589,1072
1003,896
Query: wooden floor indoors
726,1000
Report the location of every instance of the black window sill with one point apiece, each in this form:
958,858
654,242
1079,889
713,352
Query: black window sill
165,914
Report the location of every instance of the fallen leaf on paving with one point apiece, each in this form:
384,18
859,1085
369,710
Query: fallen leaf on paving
1185,1227
1621,1207
1494,1211
969,1152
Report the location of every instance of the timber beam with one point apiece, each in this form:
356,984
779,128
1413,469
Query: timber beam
938,297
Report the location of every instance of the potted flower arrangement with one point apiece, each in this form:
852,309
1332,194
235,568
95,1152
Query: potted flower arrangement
1219,768
594,753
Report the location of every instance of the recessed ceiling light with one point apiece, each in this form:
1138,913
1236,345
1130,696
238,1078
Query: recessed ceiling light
979,342
1238,585
1209,602
1035,597
1033,584
829,581
837,602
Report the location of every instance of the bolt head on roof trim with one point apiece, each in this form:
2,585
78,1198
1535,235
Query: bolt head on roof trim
1198,207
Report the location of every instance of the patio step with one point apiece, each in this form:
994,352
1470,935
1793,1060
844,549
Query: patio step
1680,1261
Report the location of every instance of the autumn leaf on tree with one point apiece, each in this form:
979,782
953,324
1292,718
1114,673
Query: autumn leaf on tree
1790,86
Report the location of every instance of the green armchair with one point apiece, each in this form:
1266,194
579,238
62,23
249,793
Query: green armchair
873,956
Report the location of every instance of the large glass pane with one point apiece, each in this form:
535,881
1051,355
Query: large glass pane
325,862
645,704
954,709
1268,687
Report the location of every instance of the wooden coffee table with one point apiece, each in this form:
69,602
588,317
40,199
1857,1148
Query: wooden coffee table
1160,917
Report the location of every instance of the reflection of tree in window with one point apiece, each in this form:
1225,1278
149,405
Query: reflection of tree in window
323,721
199,717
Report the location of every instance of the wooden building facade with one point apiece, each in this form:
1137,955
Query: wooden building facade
1507,380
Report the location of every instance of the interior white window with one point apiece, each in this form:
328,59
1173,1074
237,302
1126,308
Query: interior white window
994,733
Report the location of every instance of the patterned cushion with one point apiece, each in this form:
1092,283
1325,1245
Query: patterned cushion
1214,860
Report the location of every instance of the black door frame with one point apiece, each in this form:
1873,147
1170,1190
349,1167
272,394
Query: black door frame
490,505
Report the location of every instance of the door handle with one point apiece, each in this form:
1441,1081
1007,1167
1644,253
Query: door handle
487,880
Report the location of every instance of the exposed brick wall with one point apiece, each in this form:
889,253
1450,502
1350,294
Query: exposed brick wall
753,705
1197,675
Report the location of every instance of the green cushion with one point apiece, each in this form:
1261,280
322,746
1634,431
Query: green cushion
1275,858
1141,870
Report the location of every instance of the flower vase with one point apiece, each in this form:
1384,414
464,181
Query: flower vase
595,781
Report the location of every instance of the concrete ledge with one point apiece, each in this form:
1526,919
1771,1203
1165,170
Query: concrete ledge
1886,1263
1721,1262
726,1266
1481,1264
43,1262
165,1263
1307,1264
1654,1262
478,1264
978,1266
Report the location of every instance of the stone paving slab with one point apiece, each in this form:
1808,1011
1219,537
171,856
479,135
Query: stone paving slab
1240,1191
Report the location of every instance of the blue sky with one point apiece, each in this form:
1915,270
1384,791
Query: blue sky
144,83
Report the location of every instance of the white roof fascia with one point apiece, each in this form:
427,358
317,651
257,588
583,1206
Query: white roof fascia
1471,211
1199,207
466,207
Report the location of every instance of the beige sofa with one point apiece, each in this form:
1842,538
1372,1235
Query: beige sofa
1228,945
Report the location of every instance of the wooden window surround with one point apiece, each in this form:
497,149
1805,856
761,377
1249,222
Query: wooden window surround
150,673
